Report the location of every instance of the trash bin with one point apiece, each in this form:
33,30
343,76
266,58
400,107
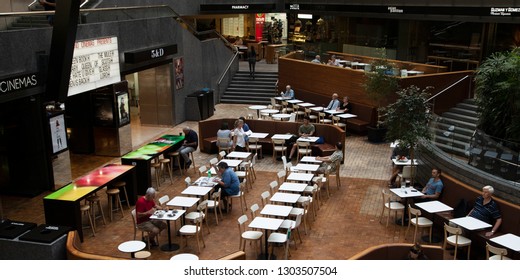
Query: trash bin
44,242
13,229
199,105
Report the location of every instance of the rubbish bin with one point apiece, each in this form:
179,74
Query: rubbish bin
13,229
199,105
44,242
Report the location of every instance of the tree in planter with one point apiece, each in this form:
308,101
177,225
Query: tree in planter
497,95
407,118
380,83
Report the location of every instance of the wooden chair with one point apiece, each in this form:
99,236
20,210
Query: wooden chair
278,147
337,122
304,148
279,238
390,206
322,118
223,144
498,253
253,146
415,219
246,235
453,236
193,230
202,212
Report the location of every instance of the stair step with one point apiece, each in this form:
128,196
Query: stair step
269,91
465,112
470,101
457,129
452,150
454,116
458,139
467,106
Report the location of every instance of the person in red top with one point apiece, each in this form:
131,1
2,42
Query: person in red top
144,208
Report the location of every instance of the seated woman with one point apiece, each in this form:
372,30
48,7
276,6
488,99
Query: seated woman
224,132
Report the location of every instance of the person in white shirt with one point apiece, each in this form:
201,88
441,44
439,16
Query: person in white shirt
334,103
317,59
239,141
333,61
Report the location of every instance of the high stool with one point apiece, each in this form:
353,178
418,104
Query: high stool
176,155
122,185
166,164
85,210
113,197
142,255
94,200
157,171
193,162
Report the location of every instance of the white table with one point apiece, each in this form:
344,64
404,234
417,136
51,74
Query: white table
281,116
317,109
205,181
259,135
304,177
470,223
310,139
434,206
347,116
508,240
258,108
282,98
306,104
285,197
306,167
131,247
185,257
270,111
197,191
292,187
170,215
183,201
414,72
294,101
276,210
266,224
404,162
233,163
406,192
282,136
240,155
332,112
310,159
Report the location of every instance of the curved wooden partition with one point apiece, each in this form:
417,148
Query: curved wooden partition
315,83
75,253
397,251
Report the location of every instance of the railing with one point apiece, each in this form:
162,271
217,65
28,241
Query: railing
432,98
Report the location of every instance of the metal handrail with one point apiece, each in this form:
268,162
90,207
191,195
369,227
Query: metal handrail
32,4
447,88
83,4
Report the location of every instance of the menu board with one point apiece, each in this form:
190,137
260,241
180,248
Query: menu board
95,64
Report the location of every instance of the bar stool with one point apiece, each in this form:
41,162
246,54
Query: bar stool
85,210
94,200
157,171
121,185
176,155
113,197
166,163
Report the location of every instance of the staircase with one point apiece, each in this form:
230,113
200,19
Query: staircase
244,90
454,128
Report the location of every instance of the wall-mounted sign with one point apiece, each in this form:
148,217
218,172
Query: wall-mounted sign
237,8
20,82
259,26
58,133
95,64
150,53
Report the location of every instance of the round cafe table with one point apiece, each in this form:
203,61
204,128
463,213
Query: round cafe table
131,247
281,116
184,257
257,108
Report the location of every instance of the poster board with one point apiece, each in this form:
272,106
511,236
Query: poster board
58,133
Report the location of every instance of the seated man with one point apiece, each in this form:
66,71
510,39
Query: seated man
317,59
329,162
289,93
334,103
486,209
306,129
229,182
144,208
191,143
433,188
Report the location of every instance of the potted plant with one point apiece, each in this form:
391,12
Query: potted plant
379,84
407,118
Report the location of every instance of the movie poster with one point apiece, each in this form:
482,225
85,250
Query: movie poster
179,73
58,133
122,108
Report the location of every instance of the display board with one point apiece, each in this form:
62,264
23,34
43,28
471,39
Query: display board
95,64
122,108
58,133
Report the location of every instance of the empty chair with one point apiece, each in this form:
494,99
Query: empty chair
213,162
273,187
279,238
337,122
221,155
214,203
254,146
453,236
281,175
304,148
202,212
322,118
390,206
193,230
254,208
278,148
275,105
163,200
202,170
293,225
292,118
498,253
415,219
313,118
299,114
187,180
408,173
264,196
246,235
252,167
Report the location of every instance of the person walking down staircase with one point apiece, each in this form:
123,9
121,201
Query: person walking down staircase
251,57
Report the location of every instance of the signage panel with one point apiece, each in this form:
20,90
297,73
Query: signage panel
150,53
